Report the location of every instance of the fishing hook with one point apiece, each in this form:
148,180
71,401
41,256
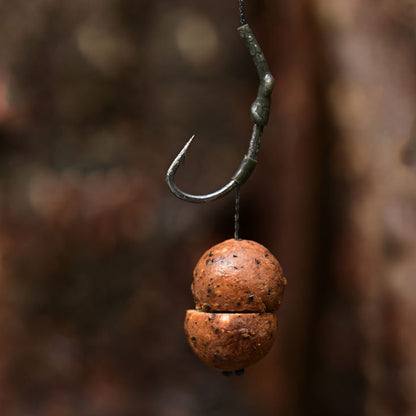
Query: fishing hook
260,109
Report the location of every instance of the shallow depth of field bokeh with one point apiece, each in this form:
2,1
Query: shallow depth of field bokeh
96,255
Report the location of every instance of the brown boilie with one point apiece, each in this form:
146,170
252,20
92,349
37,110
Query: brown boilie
237,287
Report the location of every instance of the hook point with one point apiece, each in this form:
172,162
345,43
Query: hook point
188,143
184,150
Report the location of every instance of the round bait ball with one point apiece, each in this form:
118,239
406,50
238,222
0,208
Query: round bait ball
230,341
238,276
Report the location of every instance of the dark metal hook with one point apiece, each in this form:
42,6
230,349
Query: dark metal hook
260,109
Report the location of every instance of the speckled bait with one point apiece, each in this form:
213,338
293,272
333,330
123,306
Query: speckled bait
237,287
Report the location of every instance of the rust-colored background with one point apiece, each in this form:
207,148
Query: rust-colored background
96,255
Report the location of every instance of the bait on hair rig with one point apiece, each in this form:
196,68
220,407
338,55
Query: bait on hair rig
237,284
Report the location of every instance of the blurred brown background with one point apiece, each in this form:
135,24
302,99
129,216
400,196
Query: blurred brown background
96,255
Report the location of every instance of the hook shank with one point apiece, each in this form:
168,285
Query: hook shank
260,109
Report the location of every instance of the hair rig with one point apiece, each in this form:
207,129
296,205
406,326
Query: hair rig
237,284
